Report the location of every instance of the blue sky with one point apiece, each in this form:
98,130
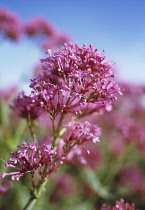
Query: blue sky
116,26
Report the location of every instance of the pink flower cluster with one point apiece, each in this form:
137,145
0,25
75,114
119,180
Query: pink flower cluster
24,108
79,133
29,158
74,78
50,97
10,26
78,75
47,35
120,205
44,29
39,26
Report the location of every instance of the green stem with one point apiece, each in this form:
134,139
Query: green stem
30,203
30,125
34,197
60,122
57,131
37,192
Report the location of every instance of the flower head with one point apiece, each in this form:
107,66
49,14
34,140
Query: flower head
78,133
84,71
72,143
29,158
80,66
73,78
81,133
24,107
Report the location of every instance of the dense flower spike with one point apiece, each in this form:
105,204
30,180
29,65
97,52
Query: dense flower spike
24,108
85,71
29,158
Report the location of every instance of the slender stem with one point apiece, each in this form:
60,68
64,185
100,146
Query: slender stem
33,182
34,197
60,122
30,203
53,124
57,131
30,125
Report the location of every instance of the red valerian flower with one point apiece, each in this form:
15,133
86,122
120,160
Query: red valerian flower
77,134
84,70
85,73
54,98
80,133
29,158
24,107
